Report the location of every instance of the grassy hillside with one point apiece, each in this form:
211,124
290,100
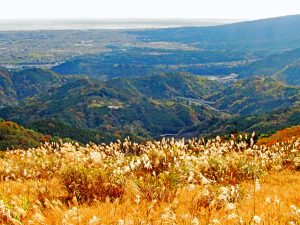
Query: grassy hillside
283,135
158,182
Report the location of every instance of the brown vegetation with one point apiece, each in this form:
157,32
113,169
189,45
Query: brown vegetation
159,182
281,136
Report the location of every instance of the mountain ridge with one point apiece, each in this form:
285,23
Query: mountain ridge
148,107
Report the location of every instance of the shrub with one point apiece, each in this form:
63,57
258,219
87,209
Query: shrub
162,187
92,185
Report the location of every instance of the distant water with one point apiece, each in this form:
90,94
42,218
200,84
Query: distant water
14,25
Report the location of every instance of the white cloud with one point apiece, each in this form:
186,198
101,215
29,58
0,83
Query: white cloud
238,9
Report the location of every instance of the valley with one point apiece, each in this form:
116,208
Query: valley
148,83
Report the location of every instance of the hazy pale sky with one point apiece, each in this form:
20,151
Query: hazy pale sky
89,9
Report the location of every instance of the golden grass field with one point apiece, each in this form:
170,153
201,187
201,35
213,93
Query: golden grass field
158,182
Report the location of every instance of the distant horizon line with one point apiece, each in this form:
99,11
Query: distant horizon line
113,23
120,18
138,18
107,24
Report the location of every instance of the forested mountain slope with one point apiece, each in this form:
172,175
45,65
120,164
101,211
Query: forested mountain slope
147,107
14,136
21,84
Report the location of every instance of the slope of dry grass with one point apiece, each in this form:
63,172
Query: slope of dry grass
166,182
281,136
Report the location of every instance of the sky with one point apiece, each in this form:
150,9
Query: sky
165,9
